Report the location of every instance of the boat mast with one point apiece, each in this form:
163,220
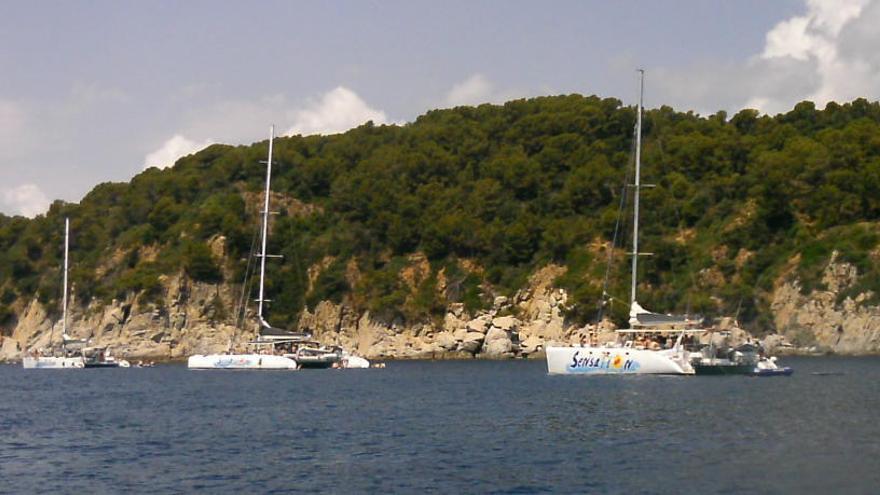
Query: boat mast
64,296
265,229
637,187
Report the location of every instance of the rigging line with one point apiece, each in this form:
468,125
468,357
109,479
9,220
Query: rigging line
251,271
248,290
681,233
241,307
610,261
303,278
617,225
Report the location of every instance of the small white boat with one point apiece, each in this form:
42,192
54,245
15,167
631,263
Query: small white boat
350,361
313,355
100,357
767,367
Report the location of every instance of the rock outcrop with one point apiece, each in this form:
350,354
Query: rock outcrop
183,322
193,317
824,320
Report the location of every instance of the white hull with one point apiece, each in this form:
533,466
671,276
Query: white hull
616,361
355,362
240,362
53,363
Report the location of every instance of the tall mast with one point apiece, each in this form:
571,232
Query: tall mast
265,224
64,297
637,186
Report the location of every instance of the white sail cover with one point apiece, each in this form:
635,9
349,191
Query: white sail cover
639,316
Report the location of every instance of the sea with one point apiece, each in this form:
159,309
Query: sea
440,427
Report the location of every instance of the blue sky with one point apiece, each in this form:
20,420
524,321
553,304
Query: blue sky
95,91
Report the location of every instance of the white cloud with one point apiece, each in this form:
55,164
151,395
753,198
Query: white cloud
472,91
173,149
828,53
237,121
815,37
477,89
243,121
26,199
337,111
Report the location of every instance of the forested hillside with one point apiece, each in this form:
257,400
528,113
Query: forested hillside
488,195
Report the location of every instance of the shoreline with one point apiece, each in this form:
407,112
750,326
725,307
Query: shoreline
454,356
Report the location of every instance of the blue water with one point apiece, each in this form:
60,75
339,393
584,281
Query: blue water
440,427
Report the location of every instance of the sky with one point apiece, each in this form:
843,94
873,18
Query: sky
97,91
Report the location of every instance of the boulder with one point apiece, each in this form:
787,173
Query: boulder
498,348
775,343
457,309
9,349
531,345
497,344
451,322
446,341
496,334
429,349
478,325
506,323
472,342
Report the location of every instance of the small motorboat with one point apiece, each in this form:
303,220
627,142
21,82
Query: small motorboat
784,371
768,367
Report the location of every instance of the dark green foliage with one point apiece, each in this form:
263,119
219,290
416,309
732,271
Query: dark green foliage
507,188
330,285
199,263
425,303
142,279
7,316
583,285
464,287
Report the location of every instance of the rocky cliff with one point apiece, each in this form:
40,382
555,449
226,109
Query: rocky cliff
182,323
826,320
193,318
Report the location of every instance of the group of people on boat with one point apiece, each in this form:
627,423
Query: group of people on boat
645,341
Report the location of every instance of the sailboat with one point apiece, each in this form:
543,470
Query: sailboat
638,349
271,350
71,353
58,356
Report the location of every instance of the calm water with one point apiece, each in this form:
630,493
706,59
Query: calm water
442,427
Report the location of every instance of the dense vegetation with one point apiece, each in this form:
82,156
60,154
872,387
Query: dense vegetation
488,195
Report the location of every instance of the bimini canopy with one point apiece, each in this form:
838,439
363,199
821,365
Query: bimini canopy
72,342
641,317
268,332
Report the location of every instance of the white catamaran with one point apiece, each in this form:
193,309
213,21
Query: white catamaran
268,350
72,353
630,354
276,348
